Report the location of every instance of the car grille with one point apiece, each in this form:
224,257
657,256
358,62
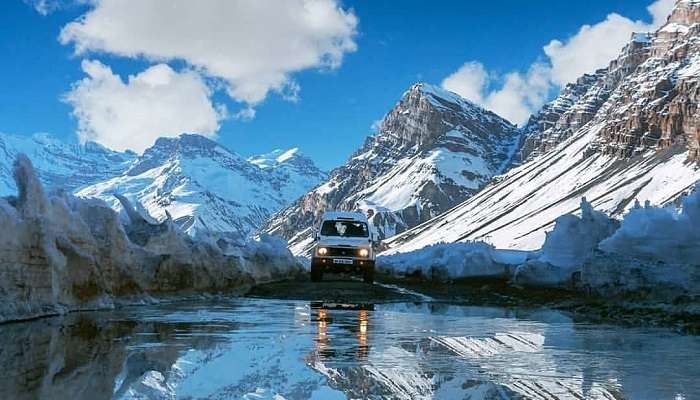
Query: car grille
342,252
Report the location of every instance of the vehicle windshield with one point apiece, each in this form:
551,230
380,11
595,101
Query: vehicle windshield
344,229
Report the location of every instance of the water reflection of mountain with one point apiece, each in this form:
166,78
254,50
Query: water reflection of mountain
515,354
258,349
91,356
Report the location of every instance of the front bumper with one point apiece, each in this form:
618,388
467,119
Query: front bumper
327,264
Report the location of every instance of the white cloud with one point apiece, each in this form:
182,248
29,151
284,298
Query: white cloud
594,46
158,102
516,95
521,94
469,81
46,7
660,10
254,46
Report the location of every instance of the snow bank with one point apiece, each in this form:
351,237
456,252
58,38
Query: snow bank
60,253
667,234
264,257
565,249
623,275
652,252
455,260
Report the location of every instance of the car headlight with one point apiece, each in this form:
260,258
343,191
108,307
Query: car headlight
364,253
322,251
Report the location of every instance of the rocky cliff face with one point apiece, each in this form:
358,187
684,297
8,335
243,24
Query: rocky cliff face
629,131
67,253
650,93
207,188
433,150
657,107
579,102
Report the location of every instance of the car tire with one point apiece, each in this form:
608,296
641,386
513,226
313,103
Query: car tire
368,274
316,272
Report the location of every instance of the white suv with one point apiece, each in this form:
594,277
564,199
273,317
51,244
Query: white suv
344,243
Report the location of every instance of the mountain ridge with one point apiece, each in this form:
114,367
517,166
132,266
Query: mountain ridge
206,187
218,184
630,132
432,150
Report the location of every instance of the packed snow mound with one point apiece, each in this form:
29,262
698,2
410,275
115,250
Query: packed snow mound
654,252
452,261
265,257
575,237
595,251
668,234
608,275
66,253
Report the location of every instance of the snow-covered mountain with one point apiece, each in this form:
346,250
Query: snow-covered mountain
206,187
433,150
59,164
630,131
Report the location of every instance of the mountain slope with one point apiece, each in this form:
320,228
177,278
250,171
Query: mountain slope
433,150
206,187
59,164
631,132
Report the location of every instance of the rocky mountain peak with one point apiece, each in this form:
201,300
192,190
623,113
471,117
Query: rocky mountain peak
433,150
629,131
645,99
425,112
185,145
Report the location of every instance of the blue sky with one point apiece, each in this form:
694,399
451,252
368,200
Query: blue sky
396,44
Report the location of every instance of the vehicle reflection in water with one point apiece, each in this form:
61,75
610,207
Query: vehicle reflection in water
355,323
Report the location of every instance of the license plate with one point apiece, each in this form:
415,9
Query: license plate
342,261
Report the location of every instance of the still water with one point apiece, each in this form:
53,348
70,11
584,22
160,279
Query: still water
270,349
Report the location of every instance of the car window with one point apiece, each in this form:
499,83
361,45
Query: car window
344,229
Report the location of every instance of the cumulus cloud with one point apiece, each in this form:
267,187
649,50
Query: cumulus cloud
254,46
594,46
132,114
517,95
469,81
516,98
